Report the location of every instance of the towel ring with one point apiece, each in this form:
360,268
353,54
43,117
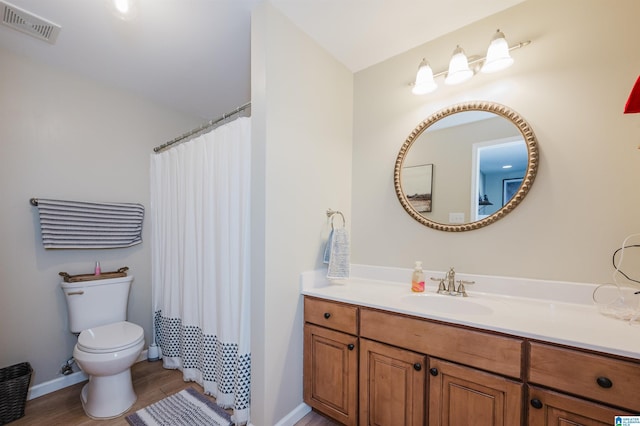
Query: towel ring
332,213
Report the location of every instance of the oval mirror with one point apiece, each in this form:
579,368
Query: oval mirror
466,166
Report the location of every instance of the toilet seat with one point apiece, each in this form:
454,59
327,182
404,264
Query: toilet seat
110,338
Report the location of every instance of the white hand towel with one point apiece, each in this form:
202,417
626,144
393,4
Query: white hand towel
327,249
339,258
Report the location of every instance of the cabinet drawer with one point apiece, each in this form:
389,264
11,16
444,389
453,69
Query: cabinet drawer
491,352
552,408
608,380
334,315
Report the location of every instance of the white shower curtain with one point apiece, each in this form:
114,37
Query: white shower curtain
200,261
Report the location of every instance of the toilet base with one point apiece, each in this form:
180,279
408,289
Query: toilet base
106,397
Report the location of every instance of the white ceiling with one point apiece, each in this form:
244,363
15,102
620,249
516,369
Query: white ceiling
194,55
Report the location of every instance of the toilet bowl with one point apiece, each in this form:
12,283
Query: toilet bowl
107,345
106,354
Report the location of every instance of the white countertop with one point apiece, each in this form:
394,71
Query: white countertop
553,311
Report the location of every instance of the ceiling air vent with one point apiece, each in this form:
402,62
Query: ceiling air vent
26,22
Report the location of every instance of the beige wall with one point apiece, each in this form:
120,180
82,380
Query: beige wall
68,138
571,85
302,130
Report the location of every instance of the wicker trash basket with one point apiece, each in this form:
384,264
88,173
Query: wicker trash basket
14,384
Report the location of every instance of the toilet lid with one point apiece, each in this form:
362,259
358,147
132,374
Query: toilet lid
110,337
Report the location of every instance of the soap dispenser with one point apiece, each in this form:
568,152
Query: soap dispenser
417,278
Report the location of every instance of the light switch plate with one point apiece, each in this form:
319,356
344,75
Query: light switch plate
456,217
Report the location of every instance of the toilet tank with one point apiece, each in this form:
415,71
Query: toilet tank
96,302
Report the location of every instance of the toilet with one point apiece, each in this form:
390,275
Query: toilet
107,345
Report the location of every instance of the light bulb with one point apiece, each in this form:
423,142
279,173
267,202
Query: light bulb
498,56
458,68
424,79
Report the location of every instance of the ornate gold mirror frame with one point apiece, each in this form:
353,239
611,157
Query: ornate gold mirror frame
527,181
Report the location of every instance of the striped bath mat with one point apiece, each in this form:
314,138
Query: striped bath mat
188,407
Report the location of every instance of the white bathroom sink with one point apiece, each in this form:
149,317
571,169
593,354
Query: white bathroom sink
431,302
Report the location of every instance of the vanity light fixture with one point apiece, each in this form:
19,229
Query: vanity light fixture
462,69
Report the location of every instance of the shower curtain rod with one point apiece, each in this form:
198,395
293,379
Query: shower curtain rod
201,128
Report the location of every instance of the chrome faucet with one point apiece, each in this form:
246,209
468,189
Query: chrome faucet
451,281
450,287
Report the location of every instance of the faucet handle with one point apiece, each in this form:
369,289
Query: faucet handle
461,290
441,286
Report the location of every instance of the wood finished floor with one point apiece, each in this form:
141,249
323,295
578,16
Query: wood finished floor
151,382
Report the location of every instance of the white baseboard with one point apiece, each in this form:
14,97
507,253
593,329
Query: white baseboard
65,381
56,384
294,416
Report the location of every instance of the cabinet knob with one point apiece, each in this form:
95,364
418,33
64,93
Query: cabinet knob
417,366
604,382
351,346
536,403
327,315
433,371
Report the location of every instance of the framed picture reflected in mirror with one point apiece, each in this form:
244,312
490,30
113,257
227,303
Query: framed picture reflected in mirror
417,182
509,188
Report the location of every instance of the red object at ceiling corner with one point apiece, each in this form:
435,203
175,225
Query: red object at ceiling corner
633,103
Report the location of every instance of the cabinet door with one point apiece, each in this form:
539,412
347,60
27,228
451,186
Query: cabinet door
463,396
392,385
551,408
331,373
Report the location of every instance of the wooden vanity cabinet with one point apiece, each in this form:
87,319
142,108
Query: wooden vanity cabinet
549,408
457,394
460,395
372,367
392,385
483,350
331,359
611,384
